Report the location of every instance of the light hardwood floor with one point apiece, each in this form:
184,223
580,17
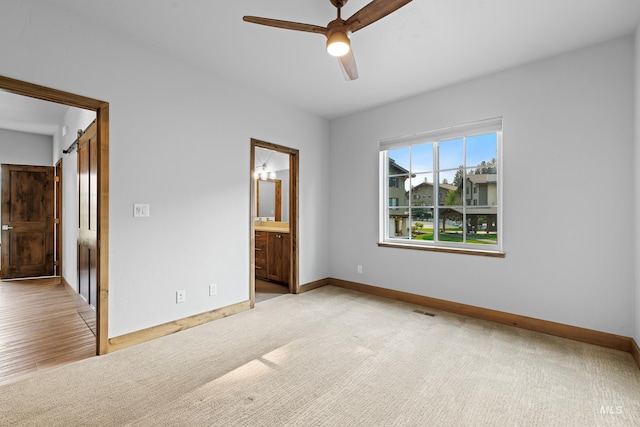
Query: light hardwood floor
43,324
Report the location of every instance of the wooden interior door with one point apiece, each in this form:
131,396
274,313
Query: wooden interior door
27,221
88,214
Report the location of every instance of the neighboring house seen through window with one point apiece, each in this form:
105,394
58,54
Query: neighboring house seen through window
444,188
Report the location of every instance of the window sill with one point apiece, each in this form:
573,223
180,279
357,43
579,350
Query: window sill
476,252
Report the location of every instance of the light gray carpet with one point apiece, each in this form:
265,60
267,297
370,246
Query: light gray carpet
332,357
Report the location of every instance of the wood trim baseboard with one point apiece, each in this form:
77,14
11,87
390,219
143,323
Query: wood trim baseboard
635,352
590,336
67,284
138,337
53,280
313,285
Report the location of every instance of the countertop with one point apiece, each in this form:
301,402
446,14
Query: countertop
272,226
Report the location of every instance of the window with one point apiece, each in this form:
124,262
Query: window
457,171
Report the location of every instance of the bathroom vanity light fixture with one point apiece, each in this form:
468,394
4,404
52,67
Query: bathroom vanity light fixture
262,174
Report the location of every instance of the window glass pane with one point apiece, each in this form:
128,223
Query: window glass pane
482,226
422,158
422,190
422,224
482,150
481,188
451,154
398,223
399,161
396,192
450,225
450,194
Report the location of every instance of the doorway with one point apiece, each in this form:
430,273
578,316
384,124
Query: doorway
274,219
101,109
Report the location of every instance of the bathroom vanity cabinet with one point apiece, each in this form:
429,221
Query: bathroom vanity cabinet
272,257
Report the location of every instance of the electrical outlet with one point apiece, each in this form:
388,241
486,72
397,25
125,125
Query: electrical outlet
213,290
359,269
180,296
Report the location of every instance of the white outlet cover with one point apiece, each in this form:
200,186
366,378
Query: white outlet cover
180,297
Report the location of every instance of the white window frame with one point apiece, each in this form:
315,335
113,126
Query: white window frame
493,125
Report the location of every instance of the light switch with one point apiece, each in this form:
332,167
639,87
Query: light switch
141,210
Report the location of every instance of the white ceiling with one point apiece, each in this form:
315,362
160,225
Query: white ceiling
23,114
423,46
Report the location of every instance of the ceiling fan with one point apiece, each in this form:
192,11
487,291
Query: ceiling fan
337,31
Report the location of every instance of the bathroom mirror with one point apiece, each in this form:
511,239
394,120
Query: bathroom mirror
272,189
270,199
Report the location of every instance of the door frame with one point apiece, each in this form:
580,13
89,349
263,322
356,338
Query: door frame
57,218
294,284
102,117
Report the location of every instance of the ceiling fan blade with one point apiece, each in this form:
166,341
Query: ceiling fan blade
372,12
287,25
348,65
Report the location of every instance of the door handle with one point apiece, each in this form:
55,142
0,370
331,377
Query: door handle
5,227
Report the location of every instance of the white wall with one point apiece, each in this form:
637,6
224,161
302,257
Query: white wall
568,192
22,148
180,141
73,120
637,185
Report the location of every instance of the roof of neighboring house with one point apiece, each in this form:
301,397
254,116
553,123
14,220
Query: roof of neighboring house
485,178
430,184
395,169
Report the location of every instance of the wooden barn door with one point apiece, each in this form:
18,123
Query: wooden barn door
27,221
88,214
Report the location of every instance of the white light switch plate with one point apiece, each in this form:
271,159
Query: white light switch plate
141,210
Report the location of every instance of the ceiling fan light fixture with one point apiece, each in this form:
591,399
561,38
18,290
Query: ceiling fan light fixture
338,44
